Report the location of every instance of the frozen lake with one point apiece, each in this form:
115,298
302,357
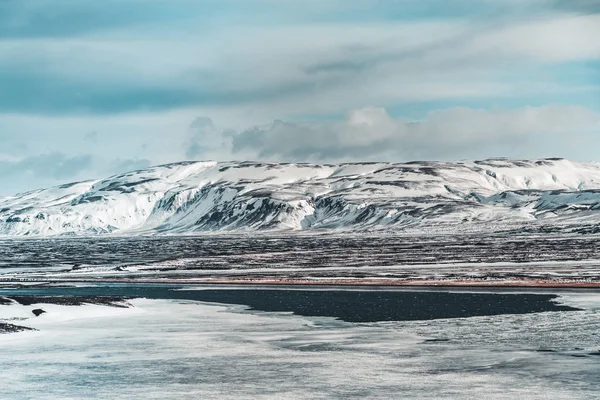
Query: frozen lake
161,348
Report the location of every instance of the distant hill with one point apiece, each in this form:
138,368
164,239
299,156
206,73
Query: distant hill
414,197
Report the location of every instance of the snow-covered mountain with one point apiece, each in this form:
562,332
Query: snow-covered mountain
490,195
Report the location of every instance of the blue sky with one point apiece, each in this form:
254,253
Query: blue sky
92,88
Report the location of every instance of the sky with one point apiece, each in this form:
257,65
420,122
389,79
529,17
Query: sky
93,88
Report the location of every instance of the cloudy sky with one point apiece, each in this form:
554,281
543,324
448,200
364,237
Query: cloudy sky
91,88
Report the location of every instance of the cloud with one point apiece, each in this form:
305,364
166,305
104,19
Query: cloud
18,173
202,124
301,67
133,164
51,165
67,18
363,134
155,136
371,133
91,137
577,6
140,72
206,140
202,130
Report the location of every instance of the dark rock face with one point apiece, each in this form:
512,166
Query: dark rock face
70,301
38,311
4,301
10,328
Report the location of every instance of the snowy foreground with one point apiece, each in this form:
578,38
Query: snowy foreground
491,195
162,349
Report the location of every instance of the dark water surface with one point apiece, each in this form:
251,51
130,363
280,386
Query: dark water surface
347,305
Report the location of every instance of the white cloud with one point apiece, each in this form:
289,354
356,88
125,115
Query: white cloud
559,39
371,133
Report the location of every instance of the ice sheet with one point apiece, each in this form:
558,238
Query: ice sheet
162,349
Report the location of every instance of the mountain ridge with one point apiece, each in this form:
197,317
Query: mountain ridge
417,196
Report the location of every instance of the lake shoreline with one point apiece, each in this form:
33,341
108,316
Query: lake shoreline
333,282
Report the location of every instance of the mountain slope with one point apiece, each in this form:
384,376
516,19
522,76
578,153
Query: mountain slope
187,197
